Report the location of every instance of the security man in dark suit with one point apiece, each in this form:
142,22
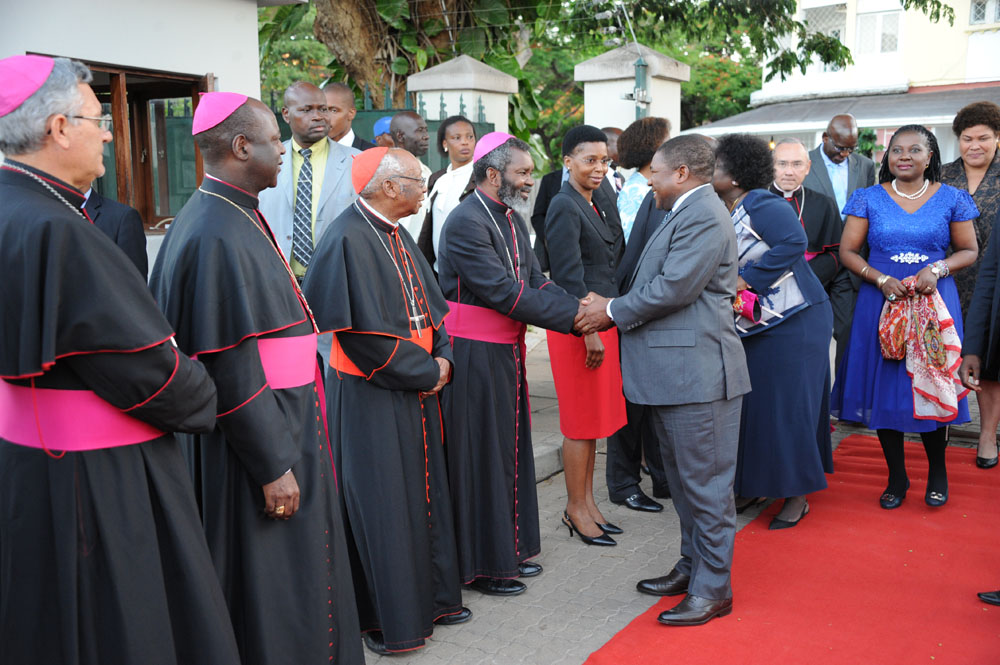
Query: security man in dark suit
122,224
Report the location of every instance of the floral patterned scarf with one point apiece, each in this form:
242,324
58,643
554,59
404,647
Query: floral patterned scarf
920,329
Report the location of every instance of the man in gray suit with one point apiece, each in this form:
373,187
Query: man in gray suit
837,171
681,356
314,184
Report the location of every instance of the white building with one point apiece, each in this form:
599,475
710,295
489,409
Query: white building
150,60
906,69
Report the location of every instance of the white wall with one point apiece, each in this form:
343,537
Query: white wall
604,107
181,36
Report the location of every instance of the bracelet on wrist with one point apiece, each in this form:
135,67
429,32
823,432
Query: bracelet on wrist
882,280
940,269
864,271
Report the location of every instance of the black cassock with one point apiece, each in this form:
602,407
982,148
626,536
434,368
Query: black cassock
490,461
821,221
227,291
102,556
386,437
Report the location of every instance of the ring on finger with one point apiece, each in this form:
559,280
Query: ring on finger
280,510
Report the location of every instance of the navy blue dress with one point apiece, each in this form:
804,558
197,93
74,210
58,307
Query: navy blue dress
785,447
870,389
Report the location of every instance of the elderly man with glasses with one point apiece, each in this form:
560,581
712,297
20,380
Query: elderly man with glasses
837,170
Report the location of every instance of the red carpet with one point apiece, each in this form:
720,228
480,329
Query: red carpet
852,583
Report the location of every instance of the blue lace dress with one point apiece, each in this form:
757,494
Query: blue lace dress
870,389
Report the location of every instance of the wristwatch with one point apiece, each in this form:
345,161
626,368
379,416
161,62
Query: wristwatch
936,269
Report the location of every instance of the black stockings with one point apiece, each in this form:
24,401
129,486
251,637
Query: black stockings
934,445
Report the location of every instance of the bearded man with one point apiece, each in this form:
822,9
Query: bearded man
494,286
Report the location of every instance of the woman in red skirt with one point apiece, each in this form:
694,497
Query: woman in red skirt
583,235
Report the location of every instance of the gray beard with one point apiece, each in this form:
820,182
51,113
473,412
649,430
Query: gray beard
511,198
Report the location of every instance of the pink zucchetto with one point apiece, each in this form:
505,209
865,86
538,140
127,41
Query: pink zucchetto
20,77
488,143
213,108
364,167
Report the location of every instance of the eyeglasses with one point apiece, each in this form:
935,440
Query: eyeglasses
104,122
797,165
590,161
842,149
407,177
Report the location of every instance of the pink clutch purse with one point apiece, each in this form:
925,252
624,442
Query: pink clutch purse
747,306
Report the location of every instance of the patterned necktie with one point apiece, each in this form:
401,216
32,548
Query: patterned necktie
302,242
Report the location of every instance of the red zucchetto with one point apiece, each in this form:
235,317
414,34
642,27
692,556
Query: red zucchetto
364,167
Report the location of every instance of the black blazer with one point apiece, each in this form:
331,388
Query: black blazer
647,220
123,225
584,248
548,187
982,324
361,144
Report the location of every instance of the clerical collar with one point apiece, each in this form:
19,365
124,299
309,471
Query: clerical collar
378,216
786,194
74,195
229,190
493,203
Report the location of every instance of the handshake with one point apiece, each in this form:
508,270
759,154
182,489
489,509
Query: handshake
592,316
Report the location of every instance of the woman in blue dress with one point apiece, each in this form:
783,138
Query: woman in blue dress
785,446
908,220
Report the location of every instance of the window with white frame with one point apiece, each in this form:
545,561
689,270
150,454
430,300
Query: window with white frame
879,32
830,20
984,11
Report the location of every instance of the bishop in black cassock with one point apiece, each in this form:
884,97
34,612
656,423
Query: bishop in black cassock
491,277
265,481
370,285
102,556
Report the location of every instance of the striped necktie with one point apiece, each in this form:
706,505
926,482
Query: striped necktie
302,241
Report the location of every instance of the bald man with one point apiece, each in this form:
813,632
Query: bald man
836,171
409,132
341,111
314,185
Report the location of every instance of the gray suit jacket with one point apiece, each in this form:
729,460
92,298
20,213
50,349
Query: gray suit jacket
278,204
678,340
860,173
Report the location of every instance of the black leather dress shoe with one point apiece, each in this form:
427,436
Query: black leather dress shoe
495,586
672,584
610,529
991,597
460,616
640,501
529,569
694,611
375,642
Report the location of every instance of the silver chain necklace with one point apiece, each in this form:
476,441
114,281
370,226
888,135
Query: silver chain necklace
513,235
47,186
416,316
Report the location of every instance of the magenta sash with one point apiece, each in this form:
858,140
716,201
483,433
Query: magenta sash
289,362
72,420
483,324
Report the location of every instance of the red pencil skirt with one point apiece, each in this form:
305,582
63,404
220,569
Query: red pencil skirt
591,403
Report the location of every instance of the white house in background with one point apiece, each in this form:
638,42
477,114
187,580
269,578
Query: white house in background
906,69
150,59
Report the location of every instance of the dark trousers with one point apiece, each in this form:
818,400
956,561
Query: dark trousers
625,450
843,294
699,443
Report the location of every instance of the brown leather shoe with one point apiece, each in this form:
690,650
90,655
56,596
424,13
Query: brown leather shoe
672,584
694,611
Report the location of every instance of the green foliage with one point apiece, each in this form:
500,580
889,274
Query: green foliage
868,143
289,52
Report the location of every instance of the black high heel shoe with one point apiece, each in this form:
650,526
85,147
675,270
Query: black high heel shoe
603,539
609,528
988,462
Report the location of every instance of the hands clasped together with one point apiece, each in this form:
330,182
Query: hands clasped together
893,288
592,318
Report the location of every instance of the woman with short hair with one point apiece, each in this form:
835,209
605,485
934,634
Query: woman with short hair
447,187
977,171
